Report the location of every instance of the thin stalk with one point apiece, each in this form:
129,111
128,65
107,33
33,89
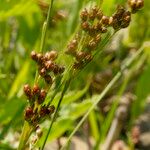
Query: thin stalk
104,92
56,112
45,25
27,130
44,31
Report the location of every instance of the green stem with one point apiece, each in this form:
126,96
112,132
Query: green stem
56,111
45,25
26,132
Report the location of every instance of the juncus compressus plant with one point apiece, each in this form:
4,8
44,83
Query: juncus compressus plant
92,35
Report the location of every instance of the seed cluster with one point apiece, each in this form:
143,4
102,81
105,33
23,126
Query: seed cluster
121,18
135,5
93,25
46,64
36,96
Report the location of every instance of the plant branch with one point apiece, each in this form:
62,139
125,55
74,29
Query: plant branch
104,92
56,111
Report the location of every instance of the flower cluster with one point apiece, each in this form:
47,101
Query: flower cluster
36,113
135,5
93,25
121,18
46,64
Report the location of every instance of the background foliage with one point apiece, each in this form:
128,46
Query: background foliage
20,32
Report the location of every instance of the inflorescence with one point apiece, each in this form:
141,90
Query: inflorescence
37,111
93,25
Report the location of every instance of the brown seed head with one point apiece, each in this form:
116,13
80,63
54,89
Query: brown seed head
84,15
48,79
43,111
85,26
34,56
88,57
51,109
80,56
42,96
104,30
28,113
92,44
27,90
99,15
105,20
49,65
135,5
52,55
42,72
36,90
39,57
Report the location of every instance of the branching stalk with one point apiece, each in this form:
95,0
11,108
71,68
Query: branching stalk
104,92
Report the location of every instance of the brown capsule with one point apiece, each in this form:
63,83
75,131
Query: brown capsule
51,109
27,90
52,55
115,24
28,113
85,26
56,69
39,57
49,65
120,11
105,20
43,111
36,90
80,56
84,15
104,30
95,9
99,26
47,57
140,4
93,13
88,57
78,65
61,69
42,96
135,5
92,44
48,79
42,72
71,47
99,15
126,18
34,56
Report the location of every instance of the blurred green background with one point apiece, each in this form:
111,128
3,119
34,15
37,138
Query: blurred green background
20,32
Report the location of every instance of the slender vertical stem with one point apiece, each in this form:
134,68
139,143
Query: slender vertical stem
56,111
44,31
26,132
45,25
